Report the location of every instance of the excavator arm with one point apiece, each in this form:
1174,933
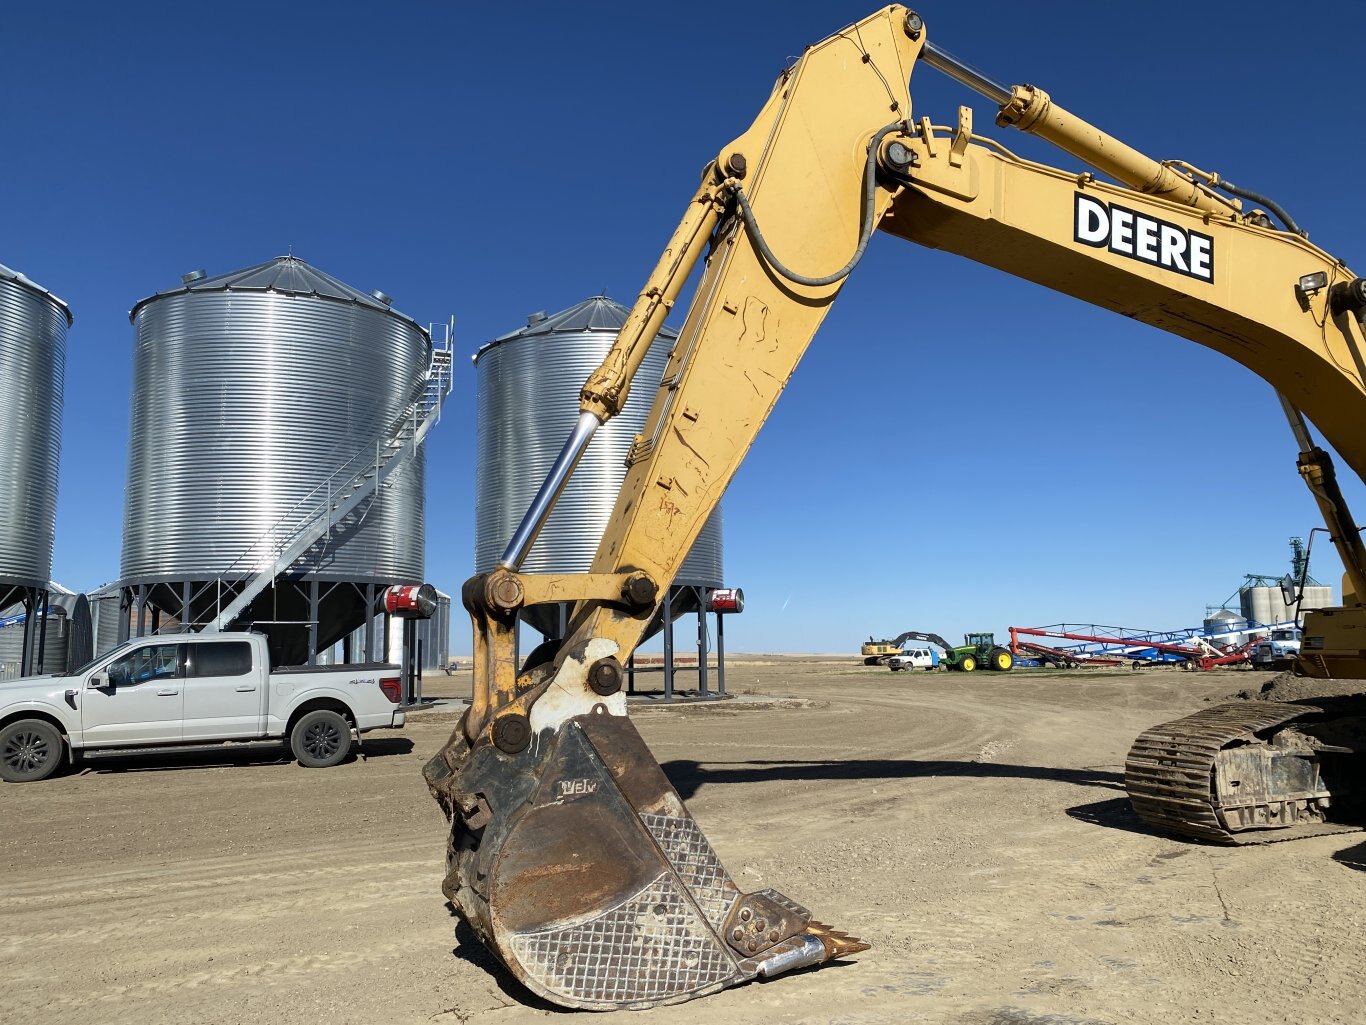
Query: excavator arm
916,635
570,853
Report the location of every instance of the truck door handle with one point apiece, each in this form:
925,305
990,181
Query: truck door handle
167,693
246,689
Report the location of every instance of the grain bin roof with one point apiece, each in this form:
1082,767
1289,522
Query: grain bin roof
284,275
13,275
596,313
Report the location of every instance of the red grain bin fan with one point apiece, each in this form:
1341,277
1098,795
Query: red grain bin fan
410,603
727,601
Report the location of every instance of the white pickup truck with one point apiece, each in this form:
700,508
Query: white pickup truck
914,658
191,692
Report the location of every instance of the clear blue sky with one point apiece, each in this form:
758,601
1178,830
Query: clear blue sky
959,450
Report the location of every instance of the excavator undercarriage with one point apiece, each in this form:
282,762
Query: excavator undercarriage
1253,772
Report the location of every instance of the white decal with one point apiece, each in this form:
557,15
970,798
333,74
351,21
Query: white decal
1141,237
577,787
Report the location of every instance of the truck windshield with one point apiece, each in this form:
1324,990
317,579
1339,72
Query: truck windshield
100,658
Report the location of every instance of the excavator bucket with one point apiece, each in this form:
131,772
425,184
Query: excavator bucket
577,864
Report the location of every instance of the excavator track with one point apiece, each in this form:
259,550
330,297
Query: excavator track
1214,776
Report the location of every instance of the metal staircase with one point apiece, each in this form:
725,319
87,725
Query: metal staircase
337,500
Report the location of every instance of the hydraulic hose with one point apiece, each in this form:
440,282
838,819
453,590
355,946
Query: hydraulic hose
865,230
1261,200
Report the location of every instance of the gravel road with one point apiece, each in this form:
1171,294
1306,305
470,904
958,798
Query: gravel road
972,828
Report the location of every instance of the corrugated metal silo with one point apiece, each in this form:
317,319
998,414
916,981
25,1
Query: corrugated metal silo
250,391
1267,604
1221,621
1261,605
33,325
49,644
1226,627
528,398
1316,596
104,616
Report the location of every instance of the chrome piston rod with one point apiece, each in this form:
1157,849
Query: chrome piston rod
1033,111
539,510
942,60
1297,425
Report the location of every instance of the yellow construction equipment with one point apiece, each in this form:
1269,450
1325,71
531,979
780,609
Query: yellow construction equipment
570,853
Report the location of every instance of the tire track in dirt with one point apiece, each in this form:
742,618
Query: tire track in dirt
260,975
85,889
238,902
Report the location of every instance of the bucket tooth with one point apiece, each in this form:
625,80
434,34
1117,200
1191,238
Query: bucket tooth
836,943
578,865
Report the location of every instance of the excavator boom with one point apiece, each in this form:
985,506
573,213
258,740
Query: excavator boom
570,853
916,635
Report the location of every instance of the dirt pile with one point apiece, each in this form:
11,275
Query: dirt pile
1289,687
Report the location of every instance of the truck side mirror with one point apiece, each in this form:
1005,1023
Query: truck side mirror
1290,592
99,681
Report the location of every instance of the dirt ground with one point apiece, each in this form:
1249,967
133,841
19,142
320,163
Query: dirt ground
974,829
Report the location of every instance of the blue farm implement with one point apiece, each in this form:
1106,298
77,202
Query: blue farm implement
1187,648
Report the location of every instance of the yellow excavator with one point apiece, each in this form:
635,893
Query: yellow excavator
570,854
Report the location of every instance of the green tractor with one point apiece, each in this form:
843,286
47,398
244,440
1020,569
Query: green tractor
979,651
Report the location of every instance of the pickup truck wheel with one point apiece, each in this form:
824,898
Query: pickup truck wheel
30,750
320,739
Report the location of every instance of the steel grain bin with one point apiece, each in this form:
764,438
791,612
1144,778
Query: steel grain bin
33,324
528,398
1226,626
249,390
